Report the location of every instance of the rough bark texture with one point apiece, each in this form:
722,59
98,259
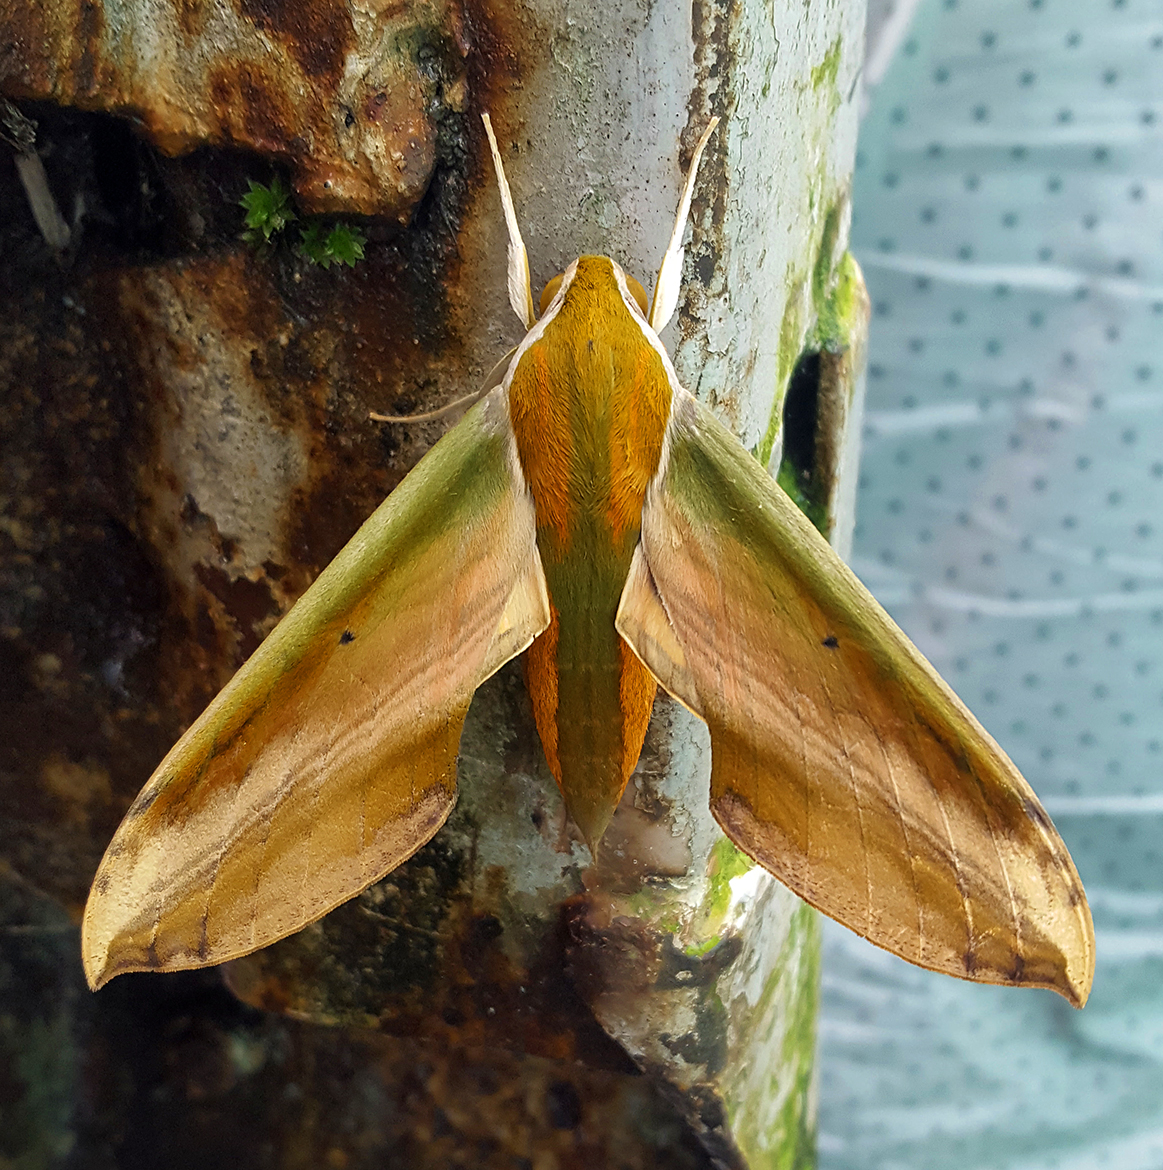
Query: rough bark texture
186,445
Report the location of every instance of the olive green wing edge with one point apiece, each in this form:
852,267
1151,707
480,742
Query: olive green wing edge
709,476
471,470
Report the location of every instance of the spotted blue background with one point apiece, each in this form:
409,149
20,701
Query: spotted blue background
1009,219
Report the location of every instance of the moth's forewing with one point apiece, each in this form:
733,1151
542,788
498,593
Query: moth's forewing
331,755
840,759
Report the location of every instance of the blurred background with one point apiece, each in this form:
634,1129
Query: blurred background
1008,190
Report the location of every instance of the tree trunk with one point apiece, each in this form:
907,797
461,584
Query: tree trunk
189,445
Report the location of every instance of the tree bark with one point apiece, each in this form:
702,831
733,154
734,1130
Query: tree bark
190,445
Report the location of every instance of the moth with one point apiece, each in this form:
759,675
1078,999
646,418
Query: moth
591,513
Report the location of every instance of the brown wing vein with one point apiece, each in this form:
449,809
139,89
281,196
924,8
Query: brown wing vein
213,879
954,854
1015,915
898,807
855,787
267,813
806,846
323,762
258,872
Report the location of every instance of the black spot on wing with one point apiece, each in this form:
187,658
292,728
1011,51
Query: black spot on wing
145,799
1037,814
346,638
832,642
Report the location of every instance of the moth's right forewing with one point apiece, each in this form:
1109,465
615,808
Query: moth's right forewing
330,757
840,759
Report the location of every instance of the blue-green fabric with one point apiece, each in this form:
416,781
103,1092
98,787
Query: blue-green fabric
1009,218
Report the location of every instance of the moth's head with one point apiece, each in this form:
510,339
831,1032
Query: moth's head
554,286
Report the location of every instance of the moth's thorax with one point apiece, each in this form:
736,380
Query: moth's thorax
589,402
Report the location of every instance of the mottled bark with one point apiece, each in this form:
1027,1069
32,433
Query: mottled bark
187,444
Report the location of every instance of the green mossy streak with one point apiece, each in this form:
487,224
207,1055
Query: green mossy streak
726,861
826,72
703,947
822,272
788,478
790,995
836,300
790,336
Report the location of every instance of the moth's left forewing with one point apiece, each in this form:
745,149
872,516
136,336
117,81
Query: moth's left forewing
330,757
840,759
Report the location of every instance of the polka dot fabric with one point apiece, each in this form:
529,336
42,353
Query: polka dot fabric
1009,218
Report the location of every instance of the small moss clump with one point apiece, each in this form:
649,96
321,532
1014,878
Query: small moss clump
339,244
269,211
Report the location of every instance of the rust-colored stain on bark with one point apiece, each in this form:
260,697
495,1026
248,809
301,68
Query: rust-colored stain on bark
347,98
317,35
186,446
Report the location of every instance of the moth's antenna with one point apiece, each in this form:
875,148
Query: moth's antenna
670,273
427,415
520,290
495,378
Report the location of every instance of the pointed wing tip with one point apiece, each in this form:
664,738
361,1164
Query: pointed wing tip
97,955
1078,973
102,967
1063,963
94,956
1071,983
1075,940
1070,972
122,954
97,977
96,962
108,949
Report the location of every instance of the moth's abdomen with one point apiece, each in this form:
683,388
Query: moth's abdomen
592,711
